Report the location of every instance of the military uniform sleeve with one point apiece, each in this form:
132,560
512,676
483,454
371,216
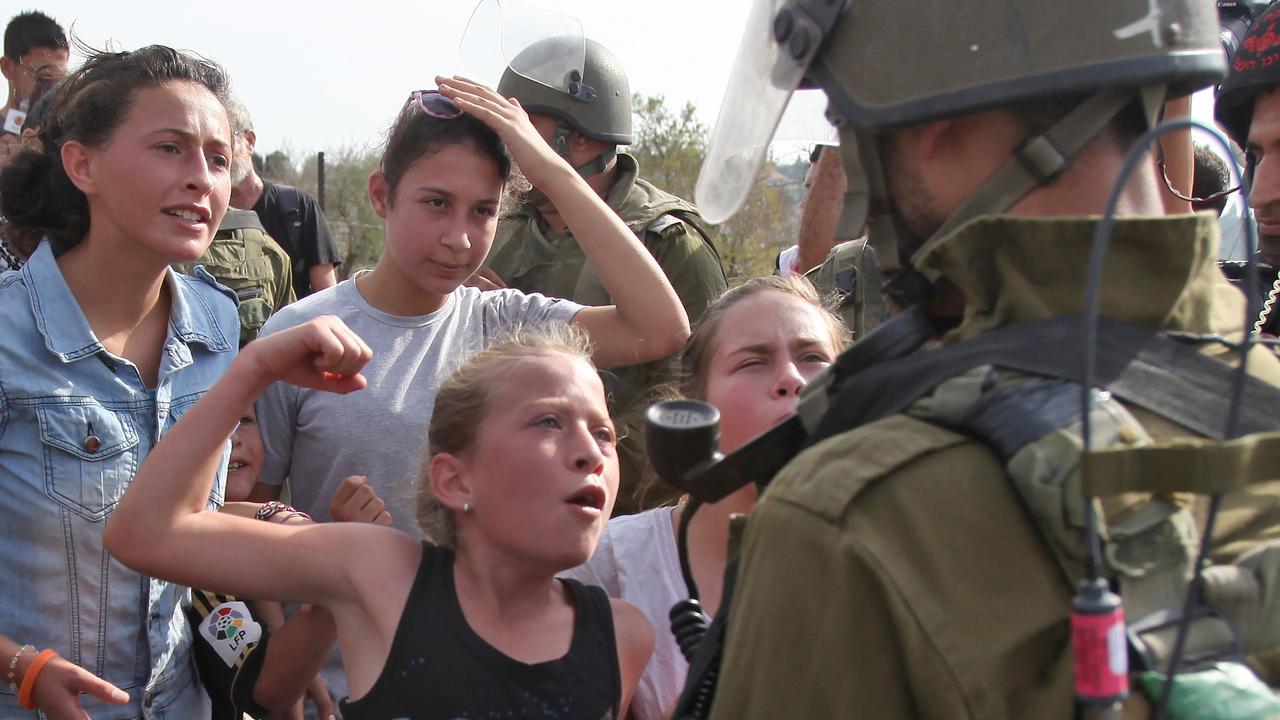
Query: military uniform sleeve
691,264
506,248
813,632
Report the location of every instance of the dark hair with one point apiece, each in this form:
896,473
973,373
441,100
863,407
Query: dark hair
37,198
1211,177
43,98
416,133
30,30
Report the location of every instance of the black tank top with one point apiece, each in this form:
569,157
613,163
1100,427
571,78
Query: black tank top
439,668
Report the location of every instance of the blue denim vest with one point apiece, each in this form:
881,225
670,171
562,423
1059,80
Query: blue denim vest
75,424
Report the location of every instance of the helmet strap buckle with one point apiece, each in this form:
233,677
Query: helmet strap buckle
560,141
597,164
1041,156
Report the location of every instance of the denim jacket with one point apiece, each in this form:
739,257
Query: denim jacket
75,424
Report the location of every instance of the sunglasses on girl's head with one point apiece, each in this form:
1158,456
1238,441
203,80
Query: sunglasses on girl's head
435,104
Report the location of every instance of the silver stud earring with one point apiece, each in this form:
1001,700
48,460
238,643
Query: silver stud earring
466,507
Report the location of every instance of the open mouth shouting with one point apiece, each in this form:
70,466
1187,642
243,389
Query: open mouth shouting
191,215
589,500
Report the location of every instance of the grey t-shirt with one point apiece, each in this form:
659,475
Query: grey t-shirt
318,438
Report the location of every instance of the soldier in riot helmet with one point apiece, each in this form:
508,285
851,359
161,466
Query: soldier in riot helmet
585,119
1247,106
921,561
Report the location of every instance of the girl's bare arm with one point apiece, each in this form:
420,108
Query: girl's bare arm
160,526
635,641
646,321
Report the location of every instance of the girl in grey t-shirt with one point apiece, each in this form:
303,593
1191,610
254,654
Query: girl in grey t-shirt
444,171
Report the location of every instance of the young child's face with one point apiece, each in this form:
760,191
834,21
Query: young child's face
444,217
767,347
246,458
544,469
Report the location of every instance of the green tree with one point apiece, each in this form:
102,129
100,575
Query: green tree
279,168
355,227
346,192
670,147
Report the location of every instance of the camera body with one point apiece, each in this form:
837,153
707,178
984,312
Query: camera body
1234,19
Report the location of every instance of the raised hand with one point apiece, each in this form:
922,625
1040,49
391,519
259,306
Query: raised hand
357,501
536,159
322,353
58,689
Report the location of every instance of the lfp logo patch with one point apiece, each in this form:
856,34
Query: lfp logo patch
230,629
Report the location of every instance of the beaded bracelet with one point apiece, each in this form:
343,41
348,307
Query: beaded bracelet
13,667
29,679
270,508
274,507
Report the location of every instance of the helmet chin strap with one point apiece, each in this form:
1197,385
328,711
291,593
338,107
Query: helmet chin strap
560,143
1041,156
867,207
1037,160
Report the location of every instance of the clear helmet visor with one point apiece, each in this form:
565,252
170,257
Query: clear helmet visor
763,80
804,124
499,35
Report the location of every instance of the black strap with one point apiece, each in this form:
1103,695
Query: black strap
290,199
241,220
1137,364
884,374
704,669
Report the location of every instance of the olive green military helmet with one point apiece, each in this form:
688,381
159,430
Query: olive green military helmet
887,64
596,103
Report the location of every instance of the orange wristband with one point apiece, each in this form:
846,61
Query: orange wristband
29,678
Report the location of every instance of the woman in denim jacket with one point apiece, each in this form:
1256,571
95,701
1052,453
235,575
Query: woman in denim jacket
104,348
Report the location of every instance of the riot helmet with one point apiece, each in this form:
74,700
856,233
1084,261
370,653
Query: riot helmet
885,66
1255,68
595,102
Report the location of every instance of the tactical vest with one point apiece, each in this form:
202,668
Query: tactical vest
244,258
1034,424
1031,418
850,276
